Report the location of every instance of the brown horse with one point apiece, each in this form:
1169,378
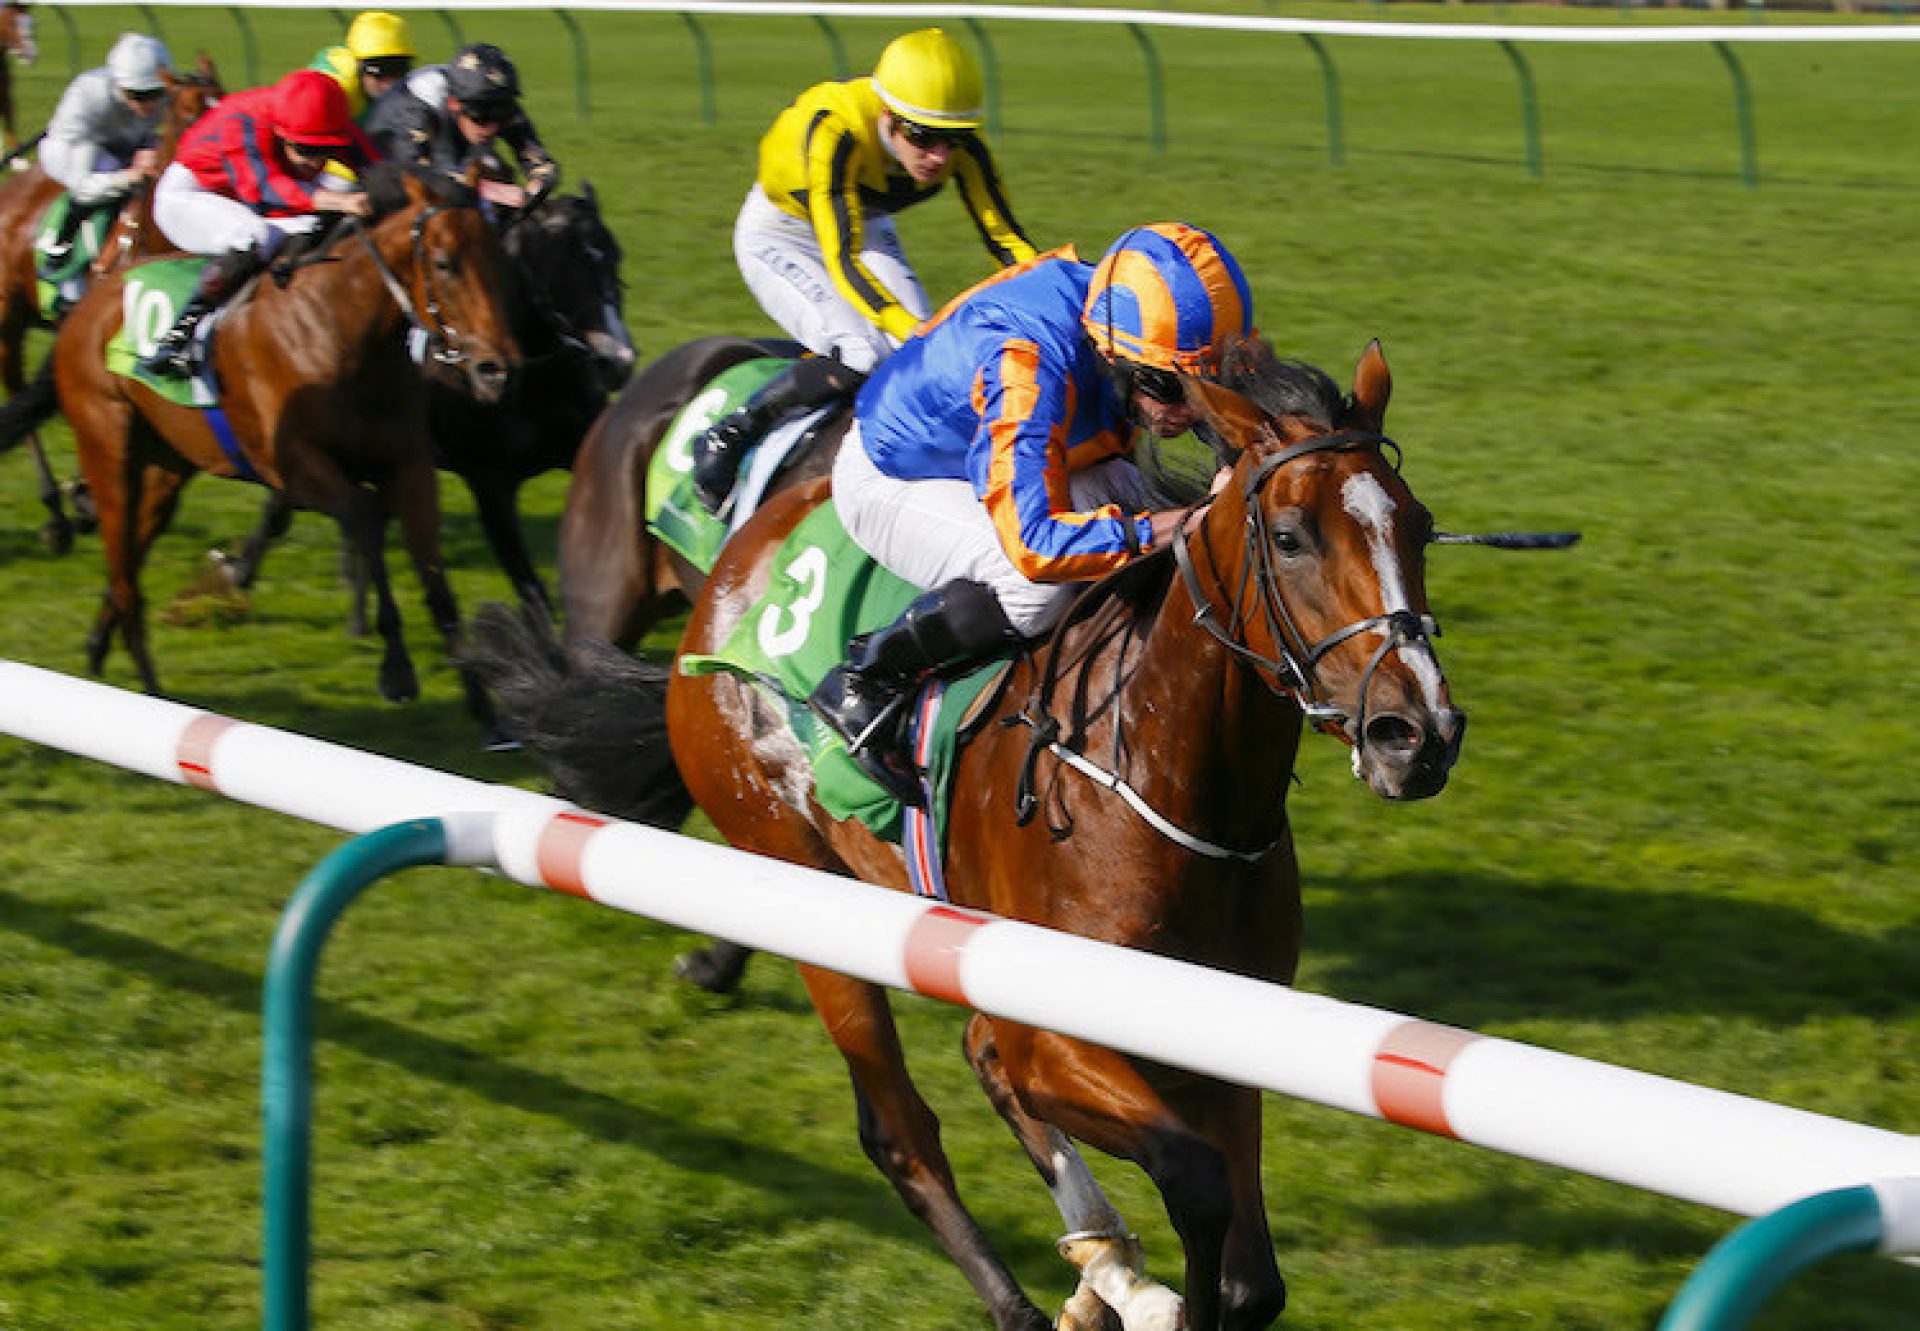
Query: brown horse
16,39
1187,680
24,199
322,400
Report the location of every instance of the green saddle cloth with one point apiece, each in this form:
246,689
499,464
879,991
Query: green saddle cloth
60,276
153,296
672,512
825,590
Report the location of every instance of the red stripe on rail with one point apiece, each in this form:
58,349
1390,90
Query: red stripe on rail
562,845
1410,1073
194,752
933,949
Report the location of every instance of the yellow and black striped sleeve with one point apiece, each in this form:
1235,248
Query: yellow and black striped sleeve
834,207
986,201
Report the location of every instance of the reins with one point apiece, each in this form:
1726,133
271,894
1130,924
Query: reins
444,342
1292,673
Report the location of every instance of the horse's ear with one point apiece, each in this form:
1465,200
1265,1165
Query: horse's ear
416,188
203,64
1234,417
586,192
1372,386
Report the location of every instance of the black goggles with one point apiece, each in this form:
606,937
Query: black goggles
926,137
487,113
387,67
145,94
1160,385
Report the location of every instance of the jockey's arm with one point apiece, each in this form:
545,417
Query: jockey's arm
838,216
986,202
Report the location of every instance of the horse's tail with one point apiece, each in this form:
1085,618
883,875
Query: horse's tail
595,719
30,408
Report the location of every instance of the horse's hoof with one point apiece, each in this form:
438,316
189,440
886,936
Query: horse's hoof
86,514
399,686
497,741
57,536
714,974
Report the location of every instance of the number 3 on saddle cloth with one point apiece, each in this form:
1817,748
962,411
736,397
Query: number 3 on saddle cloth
825,589
151,301
64,248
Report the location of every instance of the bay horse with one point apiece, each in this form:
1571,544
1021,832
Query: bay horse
24,199
1297,593
563,263
321,397
16,39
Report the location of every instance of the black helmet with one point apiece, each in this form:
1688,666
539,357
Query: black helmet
481,75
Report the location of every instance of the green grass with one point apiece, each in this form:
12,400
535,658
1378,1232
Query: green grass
1682,837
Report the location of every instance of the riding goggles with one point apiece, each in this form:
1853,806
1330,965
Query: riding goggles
144,95
926,137
387,67
1160,385
487,112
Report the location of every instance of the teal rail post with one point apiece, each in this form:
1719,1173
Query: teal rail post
152,20
582,102
1156,86
1330,90
286,1082
252,57
703,49
453,28
990,67
1743,110
840,68
1726,1290
1529,107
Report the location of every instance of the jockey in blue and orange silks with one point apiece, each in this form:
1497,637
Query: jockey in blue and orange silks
988,457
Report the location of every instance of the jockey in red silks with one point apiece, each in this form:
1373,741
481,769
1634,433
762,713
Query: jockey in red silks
258,168
989,458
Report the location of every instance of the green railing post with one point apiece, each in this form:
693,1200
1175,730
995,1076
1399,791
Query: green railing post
703,49
252,57
1743,110
453,28
990,67
1330,90
841,69
1529,107
286,1079
1726,1290
582,102
151,18
1156,86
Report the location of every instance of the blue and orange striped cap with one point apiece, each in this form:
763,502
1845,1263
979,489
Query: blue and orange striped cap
1170,296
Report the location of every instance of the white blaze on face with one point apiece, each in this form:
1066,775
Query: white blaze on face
1370,506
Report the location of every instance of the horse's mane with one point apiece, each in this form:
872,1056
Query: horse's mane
1277,385
385,183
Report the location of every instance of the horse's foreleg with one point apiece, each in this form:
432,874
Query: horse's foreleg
413,494
496,499
1114,1290
1252,1292
902,1138
276,516
56,533
1100,1097
363,528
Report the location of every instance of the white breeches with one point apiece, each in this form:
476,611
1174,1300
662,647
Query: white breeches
202,222
781,258
931,532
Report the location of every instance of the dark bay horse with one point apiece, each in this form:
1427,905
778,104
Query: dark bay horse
322,399
24,199
1296,594
16,40
565,293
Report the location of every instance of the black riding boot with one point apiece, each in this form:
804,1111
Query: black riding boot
60,248
812,381
865,698
172,355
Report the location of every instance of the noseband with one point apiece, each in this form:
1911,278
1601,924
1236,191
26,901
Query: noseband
1294,672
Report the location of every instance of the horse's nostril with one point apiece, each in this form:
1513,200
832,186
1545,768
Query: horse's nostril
1393,735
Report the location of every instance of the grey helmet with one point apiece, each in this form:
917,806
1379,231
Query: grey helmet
480,75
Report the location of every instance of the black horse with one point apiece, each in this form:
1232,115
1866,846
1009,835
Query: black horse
565,306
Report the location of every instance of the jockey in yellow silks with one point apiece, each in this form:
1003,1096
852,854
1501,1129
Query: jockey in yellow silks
379,52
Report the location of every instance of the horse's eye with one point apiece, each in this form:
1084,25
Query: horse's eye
443,264
1288,542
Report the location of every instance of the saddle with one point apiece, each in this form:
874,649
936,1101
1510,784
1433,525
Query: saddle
65,244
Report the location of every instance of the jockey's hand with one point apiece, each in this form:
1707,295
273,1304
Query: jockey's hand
1166,525
1220,479
145,164
352,202
503,193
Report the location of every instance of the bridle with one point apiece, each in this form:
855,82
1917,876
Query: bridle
444,342
1293,673
570,339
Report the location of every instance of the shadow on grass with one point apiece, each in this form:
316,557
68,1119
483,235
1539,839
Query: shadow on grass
1472,949
792,1185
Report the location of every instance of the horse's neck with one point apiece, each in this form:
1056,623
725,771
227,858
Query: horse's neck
344,280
